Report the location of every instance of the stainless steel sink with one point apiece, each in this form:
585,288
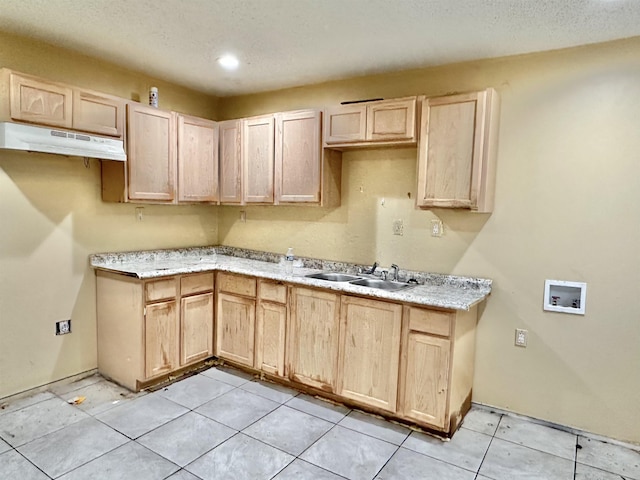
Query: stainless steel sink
381,284
333,277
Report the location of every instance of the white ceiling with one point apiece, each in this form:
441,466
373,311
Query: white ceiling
282,43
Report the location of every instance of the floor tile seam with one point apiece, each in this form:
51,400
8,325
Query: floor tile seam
33,464
575,458
197,406
314,415
263,396
373,436
278,448
486,452
625,476
152,430
48,433
205,453
385,463
312,444
443,461
78,388
536,449
306,413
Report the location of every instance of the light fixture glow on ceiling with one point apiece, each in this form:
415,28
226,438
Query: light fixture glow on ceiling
228,62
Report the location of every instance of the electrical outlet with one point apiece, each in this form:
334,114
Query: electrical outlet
243,216
139,213
63,327
436,228
521,337
398,227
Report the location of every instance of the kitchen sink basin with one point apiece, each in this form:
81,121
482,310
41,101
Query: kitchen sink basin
381,284
333,277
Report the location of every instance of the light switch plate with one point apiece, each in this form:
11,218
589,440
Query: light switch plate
436,228
398,227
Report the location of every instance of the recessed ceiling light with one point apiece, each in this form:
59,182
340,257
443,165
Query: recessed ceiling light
228,62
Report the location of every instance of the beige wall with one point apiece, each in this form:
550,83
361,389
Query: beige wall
567,208
52,218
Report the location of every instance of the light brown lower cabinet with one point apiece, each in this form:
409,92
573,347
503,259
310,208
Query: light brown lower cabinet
150,328
313,338
271,324
369,351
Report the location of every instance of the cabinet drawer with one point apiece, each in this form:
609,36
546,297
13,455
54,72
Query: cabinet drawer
160,289
273,292
202,282
430,321
237,284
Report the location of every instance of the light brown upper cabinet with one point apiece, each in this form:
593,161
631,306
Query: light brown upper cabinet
258,158
298,165
197,160
30,99
383,122
230,162
457,152
98,113
151,153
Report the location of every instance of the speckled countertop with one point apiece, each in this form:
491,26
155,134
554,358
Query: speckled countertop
436,290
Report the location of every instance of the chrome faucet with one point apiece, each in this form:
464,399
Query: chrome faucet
372,270
394,268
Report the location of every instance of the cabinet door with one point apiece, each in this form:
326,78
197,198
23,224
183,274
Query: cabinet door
425,378
313,338
160,338
393,120
197,160
230,162
196,328
297,157
258,156
270,337
151,155
457,151
369,351
345,124
235,324
97,113
38,101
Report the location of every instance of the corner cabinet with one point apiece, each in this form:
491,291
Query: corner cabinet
457,151
151,328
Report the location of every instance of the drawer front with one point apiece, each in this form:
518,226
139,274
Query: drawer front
273,292
201,282
237,284
430,321
160,289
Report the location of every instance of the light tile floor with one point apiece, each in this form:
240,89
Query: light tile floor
222,424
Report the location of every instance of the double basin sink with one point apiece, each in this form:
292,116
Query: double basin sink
360,281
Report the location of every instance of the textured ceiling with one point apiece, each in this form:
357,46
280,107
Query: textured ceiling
282,43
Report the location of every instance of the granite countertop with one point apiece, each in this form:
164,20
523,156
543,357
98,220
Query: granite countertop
435,290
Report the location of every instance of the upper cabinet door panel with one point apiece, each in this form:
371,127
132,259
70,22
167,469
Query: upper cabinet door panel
345,124
151,153
230,162
97,113
456,165
39,101
258,140
393,120
297,157
197,160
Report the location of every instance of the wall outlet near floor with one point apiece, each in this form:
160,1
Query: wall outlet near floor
398,227
63,327
243,216
521,337
139,215
436,228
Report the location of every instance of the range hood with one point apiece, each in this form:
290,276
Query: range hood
17,136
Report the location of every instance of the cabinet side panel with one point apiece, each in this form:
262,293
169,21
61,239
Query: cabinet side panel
462,364
120,327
